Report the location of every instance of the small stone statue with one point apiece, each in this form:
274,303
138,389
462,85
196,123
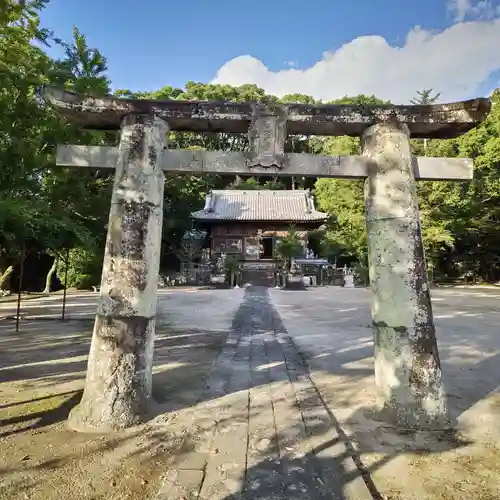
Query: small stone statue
220,263
205,256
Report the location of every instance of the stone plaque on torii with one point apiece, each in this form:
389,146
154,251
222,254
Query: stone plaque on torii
407,367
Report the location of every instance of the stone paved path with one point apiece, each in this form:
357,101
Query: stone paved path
261,430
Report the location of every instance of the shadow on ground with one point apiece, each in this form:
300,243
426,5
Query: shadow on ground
40,360
40,418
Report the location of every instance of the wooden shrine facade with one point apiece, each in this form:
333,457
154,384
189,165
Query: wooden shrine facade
249,224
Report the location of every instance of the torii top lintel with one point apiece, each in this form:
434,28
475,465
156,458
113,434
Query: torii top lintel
439,121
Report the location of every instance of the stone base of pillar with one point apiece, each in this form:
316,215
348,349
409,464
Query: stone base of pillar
410,392
118,387
406,420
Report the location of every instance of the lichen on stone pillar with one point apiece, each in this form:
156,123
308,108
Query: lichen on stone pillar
408,376
119,375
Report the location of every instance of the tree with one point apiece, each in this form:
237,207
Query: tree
473,208
23,68
191,246
343,199
84,269
29,132
288,248
31,227
248,184
82,70
425,98
274,185
12,227
252,184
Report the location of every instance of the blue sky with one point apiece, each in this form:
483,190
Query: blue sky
154,43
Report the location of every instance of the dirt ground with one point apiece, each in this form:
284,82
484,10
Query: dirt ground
41,379
42,371
422,466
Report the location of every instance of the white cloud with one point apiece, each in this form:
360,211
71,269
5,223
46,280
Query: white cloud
479,9
459,8
454,62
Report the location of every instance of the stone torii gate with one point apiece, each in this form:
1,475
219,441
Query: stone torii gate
407,367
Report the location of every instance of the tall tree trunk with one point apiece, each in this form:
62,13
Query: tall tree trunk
48,279
4,278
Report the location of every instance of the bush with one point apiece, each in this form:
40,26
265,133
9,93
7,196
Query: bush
362,274
288,248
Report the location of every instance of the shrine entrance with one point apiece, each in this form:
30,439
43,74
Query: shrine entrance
267,251
407,366
258,274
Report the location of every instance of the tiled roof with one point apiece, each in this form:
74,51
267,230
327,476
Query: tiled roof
261,205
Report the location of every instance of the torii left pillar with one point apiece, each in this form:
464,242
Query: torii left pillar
119,375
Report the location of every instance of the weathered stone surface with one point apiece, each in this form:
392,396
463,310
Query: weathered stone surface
131,260
292,164
267,136
437,120
407,367
118,386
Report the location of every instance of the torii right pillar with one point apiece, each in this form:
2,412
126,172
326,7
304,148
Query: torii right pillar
410,391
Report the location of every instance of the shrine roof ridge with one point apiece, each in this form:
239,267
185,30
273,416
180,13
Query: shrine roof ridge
424,121
259,205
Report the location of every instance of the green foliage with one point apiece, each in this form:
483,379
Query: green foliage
34,225
289,247
298,98
248,184
83,69
251,183
231,264
425,97
23,68
362,274
84,270
43,208
329,248
346,229
274,185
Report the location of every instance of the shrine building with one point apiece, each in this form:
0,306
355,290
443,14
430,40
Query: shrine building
249,224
